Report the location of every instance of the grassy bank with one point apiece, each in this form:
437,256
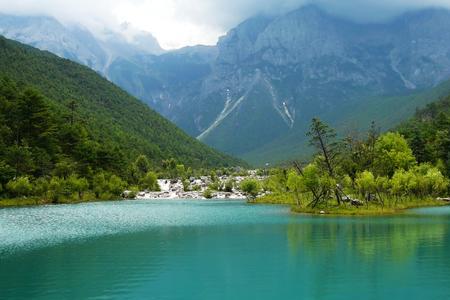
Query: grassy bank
392,206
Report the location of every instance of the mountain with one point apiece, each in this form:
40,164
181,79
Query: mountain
271,76
254,94
112,117
77,43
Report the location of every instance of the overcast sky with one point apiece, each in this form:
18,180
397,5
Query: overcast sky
177,23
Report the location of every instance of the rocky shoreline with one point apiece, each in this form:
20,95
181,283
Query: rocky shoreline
188,195
197,188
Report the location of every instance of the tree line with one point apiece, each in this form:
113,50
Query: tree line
49,153
376,169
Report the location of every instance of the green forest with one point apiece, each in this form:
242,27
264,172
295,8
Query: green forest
66,133
52,157
370,174
111,116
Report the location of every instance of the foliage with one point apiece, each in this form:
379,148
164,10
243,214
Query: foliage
392,152
150,182
428,134
277,181
116,185
208,194
366,183
250,187
323,138
19,187
296,185
214,186
142,165
77,185
380,168
228,188
186,185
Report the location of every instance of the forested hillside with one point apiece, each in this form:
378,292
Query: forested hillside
65,130
112,118
428,133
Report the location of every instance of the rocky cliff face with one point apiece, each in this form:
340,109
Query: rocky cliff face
254,94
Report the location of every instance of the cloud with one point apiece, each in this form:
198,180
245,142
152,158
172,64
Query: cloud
177,23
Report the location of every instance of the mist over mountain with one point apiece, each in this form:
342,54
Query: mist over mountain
254,94
76,42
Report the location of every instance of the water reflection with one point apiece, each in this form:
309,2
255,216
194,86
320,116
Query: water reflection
397,238
233,251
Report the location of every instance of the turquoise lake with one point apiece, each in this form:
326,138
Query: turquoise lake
220,250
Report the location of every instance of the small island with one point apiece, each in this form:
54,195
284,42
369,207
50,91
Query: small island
375,175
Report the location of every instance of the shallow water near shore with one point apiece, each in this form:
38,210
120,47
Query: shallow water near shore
196,249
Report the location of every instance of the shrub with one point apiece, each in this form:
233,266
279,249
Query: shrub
99,184
77,185
208,194
40,186
229,186
116,185
251,188
56,188
186,185
366,183
215,186
150,182
20,187
392,152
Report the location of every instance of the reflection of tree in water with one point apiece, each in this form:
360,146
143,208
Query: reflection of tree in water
369,254
365,239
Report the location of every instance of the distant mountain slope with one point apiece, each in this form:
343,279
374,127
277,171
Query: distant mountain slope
387,112
110,114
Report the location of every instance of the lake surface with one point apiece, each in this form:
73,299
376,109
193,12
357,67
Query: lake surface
219,250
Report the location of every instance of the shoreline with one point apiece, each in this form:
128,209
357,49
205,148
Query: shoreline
349,210
364,212
326,212
29,202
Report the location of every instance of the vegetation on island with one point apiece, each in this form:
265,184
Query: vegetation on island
376,174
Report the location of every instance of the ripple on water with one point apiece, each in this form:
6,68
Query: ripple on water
30,227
